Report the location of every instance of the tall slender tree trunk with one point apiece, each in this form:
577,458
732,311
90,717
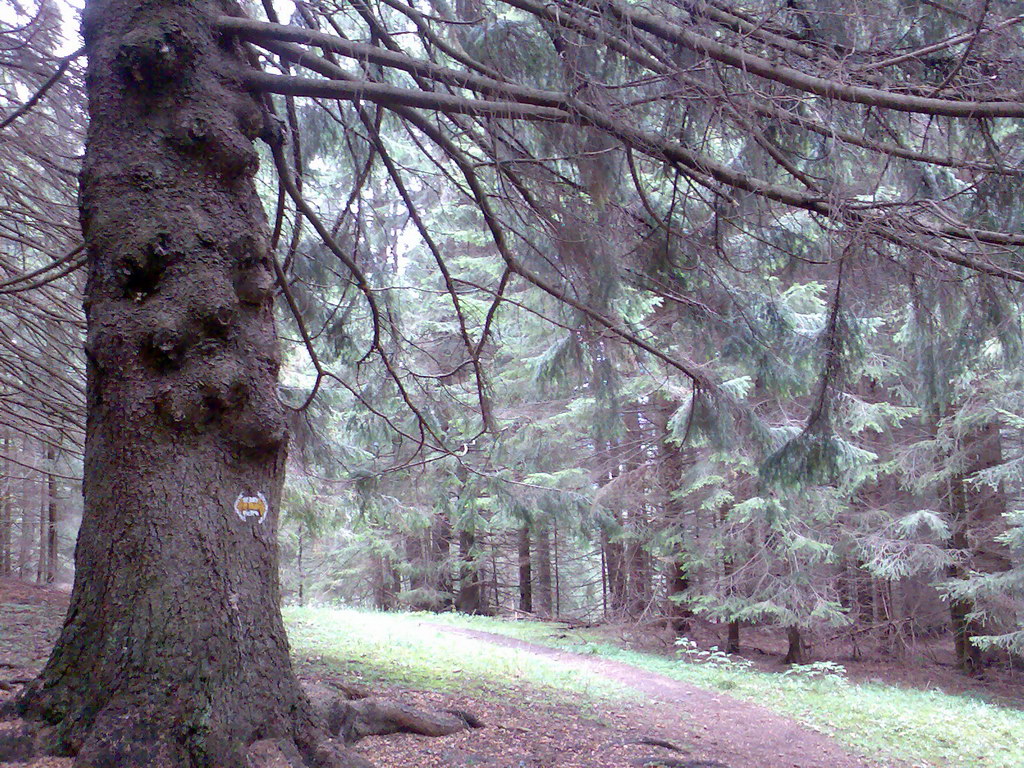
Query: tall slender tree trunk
26,515
24,541
299,566
525,576
6,520
381,582
671,466
679,613
441,552
555,568
174,651
614,558
732,640
387,583
53,520
5,529
495,605
395,582
968,655
419,584
44,518
545,603
469,597
796,650
976,514
638,571
604,578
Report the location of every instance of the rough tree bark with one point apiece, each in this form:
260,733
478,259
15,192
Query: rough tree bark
173,652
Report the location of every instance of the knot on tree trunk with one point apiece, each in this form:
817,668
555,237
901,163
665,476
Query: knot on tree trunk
154,54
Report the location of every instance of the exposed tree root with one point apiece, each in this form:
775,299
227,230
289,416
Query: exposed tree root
652,741
124,737
350,720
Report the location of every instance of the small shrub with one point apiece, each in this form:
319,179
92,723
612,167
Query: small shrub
713,656
817,674
728,670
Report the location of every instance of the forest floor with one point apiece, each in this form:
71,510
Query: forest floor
664,722
713,726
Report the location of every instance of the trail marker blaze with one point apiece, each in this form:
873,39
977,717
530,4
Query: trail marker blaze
251,506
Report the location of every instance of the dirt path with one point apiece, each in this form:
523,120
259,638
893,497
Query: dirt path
709,725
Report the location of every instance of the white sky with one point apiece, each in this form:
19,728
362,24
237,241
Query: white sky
70,10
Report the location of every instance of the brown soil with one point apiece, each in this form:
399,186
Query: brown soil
713,725
693,726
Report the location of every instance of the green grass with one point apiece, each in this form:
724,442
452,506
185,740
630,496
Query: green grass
400,649
882,722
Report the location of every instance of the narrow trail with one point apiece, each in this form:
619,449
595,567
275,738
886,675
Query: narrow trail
707,725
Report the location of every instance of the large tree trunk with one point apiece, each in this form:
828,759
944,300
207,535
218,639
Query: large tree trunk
174,652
